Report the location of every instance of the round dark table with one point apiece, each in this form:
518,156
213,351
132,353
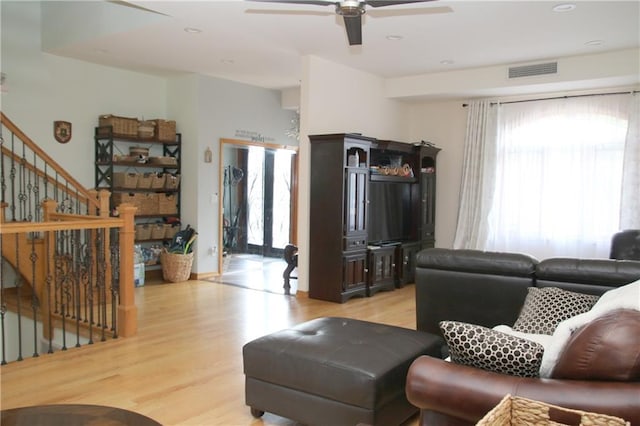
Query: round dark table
73,415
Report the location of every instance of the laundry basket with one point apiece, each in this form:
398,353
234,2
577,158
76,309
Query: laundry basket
514,410
176,267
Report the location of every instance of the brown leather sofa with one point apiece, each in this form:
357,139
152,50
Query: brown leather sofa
599,370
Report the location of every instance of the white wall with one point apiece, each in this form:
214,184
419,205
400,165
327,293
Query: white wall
338,99
443,123
42,88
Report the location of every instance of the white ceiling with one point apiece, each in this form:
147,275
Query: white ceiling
262,43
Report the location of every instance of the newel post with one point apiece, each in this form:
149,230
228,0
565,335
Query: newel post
127,310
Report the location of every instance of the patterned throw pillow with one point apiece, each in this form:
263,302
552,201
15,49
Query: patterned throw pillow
545,308
492,350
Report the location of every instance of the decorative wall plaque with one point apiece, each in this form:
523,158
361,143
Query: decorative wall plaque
62,131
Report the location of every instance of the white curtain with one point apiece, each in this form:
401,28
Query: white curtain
478,170
558,176
630,198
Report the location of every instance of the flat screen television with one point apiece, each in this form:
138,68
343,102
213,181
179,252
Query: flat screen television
389,212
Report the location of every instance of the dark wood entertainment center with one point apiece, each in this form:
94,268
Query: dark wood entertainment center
372,208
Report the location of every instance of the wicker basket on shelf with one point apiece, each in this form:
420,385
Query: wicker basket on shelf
145,180
123,126
157,181
522,411
165,130
176,267
172,181
125,180
164,161
143,231
157,231
146,129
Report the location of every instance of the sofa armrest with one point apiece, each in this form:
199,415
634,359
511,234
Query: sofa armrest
468,393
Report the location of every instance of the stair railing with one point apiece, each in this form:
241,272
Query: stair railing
67,266
28,176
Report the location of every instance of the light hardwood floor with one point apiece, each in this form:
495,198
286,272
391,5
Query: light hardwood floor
184,367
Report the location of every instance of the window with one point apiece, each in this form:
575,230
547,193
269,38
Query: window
558,176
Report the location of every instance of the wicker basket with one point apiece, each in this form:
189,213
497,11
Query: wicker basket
176,267
146,129
125,180
148,204
131,198
121,125
521,411
145,180
157,231
163,161
172,181
167,204
157,181
143,232
166,130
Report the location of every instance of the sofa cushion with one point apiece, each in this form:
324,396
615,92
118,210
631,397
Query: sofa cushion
607,348
545,308
625,297
492,350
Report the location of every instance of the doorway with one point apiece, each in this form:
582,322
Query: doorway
257,212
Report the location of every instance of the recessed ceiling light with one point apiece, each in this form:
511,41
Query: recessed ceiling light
446,62
227,61
594,43
564,7
192,30
394,37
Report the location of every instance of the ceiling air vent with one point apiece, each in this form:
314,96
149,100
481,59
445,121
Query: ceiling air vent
535,69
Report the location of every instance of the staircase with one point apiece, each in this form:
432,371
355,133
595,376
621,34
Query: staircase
67,266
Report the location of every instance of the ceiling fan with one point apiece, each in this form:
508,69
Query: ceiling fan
350,10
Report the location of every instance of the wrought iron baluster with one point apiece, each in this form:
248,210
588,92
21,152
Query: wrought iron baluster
89,281
114,250
18,287
46,181
22,186
3,183
36,190
12,179
50,279
35,303
76,244
3,309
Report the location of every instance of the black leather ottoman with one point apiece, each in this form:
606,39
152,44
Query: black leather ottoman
335,371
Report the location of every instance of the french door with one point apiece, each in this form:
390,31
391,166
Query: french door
268,200
258,198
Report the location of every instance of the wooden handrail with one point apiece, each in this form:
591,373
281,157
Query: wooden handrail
50,161
60,225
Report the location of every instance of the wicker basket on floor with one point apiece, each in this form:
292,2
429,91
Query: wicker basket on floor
176,267
522,411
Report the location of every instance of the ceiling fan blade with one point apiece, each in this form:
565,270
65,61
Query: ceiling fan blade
381,3
313,2
353,25
135,6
